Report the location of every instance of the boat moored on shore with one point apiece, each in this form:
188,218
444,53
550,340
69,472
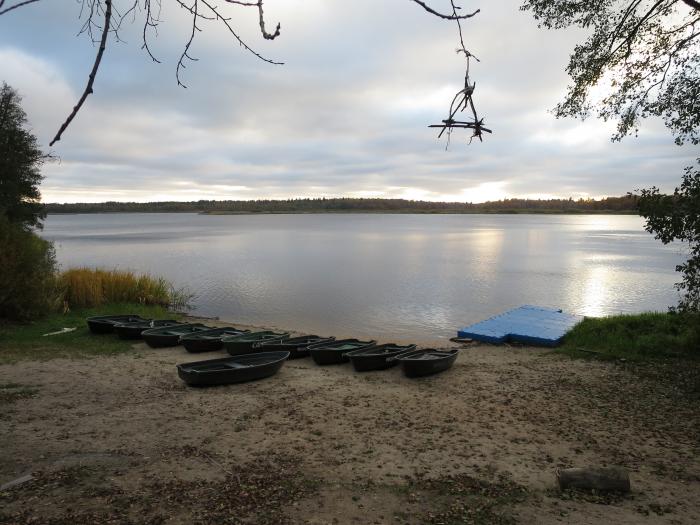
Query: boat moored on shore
170,335
334,352
296,346
237,369
377,357
251,342
426,362
209,340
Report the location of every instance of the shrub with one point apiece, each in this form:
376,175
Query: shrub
27,273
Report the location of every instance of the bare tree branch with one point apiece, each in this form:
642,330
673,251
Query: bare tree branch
21,4
453,16
93,73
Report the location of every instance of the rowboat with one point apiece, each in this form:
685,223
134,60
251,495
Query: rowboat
376,357
334,352
236,369
250,342
296,346
104,324
133,330
170,335
426,362
209,340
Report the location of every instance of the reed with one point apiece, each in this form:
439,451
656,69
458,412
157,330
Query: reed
90,287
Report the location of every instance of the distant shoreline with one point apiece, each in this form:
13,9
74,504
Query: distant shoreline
610,205
359,212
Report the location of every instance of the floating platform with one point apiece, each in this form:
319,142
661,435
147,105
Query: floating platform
532,325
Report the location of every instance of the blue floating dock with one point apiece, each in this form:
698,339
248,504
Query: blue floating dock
532,325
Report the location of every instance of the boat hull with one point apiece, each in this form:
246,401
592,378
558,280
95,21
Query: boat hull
377,358
250,343
230,370
158,338
104,324
298,347
134,330
335,352
208,341
413,366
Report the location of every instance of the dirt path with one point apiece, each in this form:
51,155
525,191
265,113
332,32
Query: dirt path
123,440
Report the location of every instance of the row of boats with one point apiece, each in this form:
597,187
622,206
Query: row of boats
255,355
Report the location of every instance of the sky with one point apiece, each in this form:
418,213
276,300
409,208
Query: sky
346,115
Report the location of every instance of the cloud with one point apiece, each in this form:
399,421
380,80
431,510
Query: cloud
346,115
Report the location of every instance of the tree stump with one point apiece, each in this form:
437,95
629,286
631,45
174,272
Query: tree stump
602,479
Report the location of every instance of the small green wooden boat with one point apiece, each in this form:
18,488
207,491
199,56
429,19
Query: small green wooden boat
232,369
104,324
170,335
377,357
426,362
209,340
296,346
251,342
133,330
334,352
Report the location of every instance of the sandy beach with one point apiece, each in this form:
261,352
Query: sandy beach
123,440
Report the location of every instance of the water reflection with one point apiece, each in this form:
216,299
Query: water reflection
415,276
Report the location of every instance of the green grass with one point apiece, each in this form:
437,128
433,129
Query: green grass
636,337
25,342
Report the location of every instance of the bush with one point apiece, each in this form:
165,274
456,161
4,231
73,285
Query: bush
87,287
27,273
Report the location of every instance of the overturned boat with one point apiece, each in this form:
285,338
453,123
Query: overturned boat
296,346
209,340
251,342
426,362
170,335
377,357
104,324
334,352
133,330
237,369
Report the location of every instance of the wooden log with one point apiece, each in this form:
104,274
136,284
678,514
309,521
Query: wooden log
602,479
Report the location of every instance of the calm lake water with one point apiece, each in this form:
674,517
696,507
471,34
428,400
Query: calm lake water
415,277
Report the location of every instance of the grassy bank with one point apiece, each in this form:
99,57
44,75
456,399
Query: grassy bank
23,342
636,337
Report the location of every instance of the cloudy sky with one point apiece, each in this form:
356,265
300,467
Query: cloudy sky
346,115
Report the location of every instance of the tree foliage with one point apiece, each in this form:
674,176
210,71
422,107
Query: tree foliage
645,52
20,164
677,218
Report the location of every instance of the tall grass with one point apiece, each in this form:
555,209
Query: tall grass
88,287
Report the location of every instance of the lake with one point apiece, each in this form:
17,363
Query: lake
412,277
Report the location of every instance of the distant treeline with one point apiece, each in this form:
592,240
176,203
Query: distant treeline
626,204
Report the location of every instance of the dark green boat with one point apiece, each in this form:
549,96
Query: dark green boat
170,335
135,329
232,369
251,342
209,340
377,357
334,352
426,362
104,324
296,346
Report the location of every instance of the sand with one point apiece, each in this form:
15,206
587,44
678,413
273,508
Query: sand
123,440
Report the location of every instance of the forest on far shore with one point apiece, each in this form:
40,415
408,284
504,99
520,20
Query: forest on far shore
626,204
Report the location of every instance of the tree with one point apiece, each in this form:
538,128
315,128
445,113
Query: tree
20,163
102,17
27,262
645,52
677,218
